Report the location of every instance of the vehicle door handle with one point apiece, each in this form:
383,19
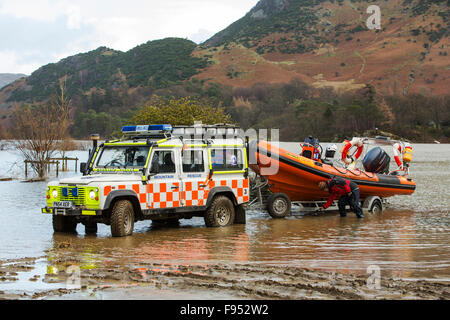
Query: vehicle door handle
175,187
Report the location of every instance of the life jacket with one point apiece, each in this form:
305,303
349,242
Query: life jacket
403,154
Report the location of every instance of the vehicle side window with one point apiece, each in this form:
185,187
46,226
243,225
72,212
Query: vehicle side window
227,159
163,162
193,161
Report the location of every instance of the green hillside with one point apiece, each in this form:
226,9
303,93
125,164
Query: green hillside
156,64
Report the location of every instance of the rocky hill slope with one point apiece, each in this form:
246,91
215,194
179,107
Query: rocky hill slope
328,43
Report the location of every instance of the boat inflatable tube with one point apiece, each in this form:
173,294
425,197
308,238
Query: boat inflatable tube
376,161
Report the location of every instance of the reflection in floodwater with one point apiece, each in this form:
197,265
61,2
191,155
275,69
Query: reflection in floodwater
327,242
193,245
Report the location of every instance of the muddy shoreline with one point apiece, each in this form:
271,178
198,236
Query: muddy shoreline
156,281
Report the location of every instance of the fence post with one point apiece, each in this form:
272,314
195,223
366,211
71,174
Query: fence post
26,169
57,168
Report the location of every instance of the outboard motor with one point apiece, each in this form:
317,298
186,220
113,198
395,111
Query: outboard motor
376,161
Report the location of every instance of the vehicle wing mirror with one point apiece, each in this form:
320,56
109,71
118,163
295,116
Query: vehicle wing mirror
83,167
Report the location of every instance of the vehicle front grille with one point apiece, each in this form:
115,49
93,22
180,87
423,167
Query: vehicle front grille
78,199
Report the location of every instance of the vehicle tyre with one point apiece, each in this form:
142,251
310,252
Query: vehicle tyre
122,219
376,207
220,213
279,205
64,224
90,228
240,215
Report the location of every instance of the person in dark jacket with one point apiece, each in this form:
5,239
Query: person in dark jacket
348,192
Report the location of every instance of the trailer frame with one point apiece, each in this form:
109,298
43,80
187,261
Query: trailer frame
369,205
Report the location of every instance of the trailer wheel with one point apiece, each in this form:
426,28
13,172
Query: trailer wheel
279,205
220,213
122,219
64,224
376,208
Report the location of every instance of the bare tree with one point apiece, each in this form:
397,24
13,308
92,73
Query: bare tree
62,102
40,129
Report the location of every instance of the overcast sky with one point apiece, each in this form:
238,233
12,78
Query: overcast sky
36,32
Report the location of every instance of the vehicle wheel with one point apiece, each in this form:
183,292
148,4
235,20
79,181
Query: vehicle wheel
376,208
240,215
64,224
91,228
122,219
279,205
220,213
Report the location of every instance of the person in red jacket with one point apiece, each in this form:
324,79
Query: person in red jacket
348,192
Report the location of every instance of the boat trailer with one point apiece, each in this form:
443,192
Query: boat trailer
278,205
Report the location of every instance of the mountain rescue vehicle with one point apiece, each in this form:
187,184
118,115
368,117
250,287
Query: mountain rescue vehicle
159,173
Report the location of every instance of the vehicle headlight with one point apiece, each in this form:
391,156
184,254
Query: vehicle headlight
54,193
92,195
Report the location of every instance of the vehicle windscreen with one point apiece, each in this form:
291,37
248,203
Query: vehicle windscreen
123,157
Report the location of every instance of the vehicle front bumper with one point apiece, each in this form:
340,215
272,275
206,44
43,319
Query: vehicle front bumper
71,211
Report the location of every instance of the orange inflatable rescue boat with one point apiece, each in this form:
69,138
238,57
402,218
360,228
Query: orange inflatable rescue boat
298,175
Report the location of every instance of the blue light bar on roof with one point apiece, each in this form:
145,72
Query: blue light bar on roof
152,128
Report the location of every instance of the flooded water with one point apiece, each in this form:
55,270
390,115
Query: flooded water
410,240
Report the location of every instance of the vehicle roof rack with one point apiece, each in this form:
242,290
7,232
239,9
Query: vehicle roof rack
195,132
152,131
208,131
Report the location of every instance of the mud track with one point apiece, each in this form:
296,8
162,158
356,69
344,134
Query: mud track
235,281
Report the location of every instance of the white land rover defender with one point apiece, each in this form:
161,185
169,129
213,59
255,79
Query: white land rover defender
156,172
